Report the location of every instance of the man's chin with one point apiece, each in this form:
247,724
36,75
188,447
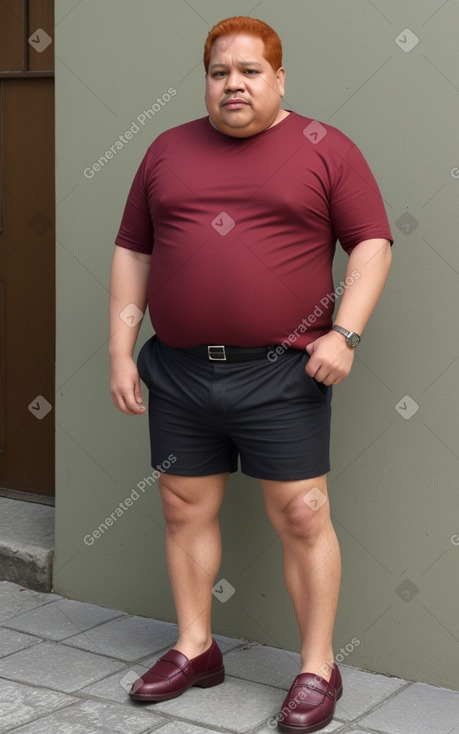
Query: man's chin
237,128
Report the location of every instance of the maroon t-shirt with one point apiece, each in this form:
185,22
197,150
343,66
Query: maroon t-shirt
242,231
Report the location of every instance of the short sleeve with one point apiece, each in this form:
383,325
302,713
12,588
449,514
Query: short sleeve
136,230
357,207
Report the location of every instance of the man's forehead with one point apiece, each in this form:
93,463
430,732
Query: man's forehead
245,48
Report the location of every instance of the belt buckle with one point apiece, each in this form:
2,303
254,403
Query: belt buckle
216,353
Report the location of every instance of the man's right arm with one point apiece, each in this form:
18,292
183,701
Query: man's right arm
128,287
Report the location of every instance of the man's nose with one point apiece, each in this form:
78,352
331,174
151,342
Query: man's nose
234,81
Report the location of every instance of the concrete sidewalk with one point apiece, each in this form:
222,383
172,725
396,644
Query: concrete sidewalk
26,543
66,667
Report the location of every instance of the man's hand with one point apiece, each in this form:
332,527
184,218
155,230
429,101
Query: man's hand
330,359
125,386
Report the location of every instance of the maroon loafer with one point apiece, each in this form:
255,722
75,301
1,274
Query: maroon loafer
310,703
173,673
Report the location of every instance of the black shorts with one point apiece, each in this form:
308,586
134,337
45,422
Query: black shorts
203,415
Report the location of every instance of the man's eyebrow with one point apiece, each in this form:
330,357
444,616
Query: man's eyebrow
241,63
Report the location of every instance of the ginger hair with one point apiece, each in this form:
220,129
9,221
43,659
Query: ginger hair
244,26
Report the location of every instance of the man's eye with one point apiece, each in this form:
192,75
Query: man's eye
218,74
251,71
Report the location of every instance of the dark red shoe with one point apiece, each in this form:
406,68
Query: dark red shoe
310,703
173,673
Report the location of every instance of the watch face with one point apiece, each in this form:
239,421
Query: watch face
353,339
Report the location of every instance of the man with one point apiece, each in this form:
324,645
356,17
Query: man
229,234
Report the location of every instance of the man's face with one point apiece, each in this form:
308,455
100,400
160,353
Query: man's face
243,93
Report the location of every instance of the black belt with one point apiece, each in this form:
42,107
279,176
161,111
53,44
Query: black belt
220,353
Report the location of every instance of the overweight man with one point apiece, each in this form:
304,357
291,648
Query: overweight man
228,235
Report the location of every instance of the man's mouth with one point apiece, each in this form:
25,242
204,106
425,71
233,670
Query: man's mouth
235,103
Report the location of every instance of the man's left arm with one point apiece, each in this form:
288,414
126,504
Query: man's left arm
331,357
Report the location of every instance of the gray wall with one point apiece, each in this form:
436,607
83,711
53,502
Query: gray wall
394,480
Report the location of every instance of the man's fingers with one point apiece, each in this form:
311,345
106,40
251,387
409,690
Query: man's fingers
132,404
125,386
129,403
312,367
329,374
138,392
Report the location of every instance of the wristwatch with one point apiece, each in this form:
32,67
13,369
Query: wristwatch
351,337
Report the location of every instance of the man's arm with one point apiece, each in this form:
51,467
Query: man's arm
331,357
128,285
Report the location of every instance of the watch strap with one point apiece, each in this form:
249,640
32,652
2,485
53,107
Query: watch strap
351,337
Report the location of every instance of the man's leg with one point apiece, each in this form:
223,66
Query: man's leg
193,551
312,563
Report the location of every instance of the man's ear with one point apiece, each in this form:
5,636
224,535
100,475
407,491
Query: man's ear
280,75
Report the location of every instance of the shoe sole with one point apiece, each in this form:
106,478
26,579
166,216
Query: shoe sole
206,680
291,729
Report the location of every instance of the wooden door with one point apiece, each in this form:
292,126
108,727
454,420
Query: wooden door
27,248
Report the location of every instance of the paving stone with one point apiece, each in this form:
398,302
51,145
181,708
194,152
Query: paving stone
420,708
27,543
263,664
181,727
115,687
57,666
127,638
234,706
61,619
278,668
248,700
112,689
229,643
271,724
335,726
15,599
93,717
11,641
20,704
362,691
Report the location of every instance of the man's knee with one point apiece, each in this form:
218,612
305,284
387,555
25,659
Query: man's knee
177,508
190,499
307,515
